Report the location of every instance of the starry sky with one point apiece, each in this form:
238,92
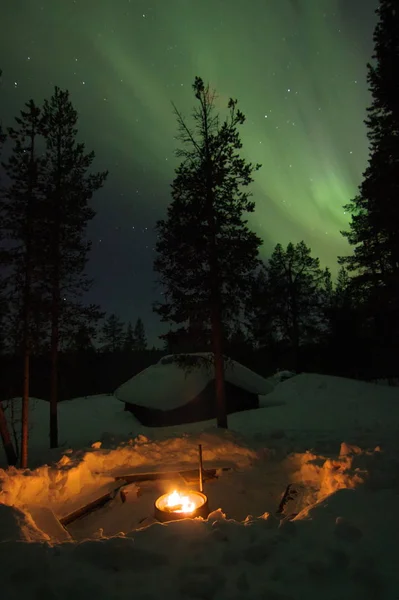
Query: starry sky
297,68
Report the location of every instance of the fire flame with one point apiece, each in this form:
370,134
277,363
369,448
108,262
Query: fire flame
175,502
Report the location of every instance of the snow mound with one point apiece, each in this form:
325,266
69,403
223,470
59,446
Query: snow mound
17,524
352,468
167,385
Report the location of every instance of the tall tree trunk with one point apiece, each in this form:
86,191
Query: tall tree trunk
6,439
25,410
55,299
217,346
295,338
55,315
216,320
27,300
215,296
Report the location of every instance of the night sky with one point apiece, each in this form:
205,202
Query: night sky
297,68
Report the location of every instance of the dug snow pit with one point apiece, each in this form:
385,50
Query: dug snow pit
47,522
17,525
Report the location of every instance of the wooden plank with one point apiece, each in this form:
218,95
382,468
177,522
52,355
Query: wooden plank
189,474
90,506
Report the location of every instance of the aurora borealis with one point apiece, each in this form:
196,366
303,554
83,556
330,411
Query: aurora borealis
297,68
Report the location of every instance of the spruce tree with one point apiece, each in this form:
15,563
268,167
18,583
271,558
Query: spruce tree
82,342
374,226
206,253
140,341
129,341
22,226
289,297
69,188
3,255
345,315
79,327
112,335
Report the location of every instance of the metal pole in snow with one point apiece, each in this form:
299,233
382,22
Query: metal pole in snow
200,468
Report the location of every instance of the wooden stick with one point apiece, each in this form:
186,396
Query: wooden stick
6,439
201,486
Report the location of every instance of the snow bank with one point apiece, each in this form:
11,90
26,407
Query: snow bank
17,524
254,486
82,474
341,548
353,467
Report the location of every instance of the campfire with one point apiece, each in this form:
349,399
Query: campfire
176,502
183,505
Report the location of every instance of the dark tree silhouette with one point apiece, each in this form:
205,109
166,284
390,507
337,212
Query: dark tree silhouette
112,336
344,317
21,225
206,254
290,295
374,226
3,256
82,342
140,341
129,342
67,212
79,323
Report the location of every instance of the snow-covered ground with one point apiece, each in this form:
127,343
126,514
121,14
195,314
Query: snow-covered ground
335,439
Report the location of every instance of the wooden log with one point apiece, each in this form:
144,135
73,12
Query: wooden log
187,474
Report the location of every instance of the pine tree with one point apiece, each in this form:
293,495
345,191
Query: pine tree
206,254
342,293
83,342
374,226
129,341
345,312
140,341
259,313
326,301
290,297
21,224
79,327
112,335
69,188
3,302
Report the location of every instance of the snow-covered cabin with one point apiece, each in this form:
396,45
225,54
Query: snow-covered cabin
169,393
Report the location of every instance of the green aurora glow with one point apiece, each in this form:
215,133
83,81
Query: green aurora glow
297,68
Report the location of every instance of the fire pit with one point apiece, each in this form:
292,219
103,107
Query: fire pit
185,505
